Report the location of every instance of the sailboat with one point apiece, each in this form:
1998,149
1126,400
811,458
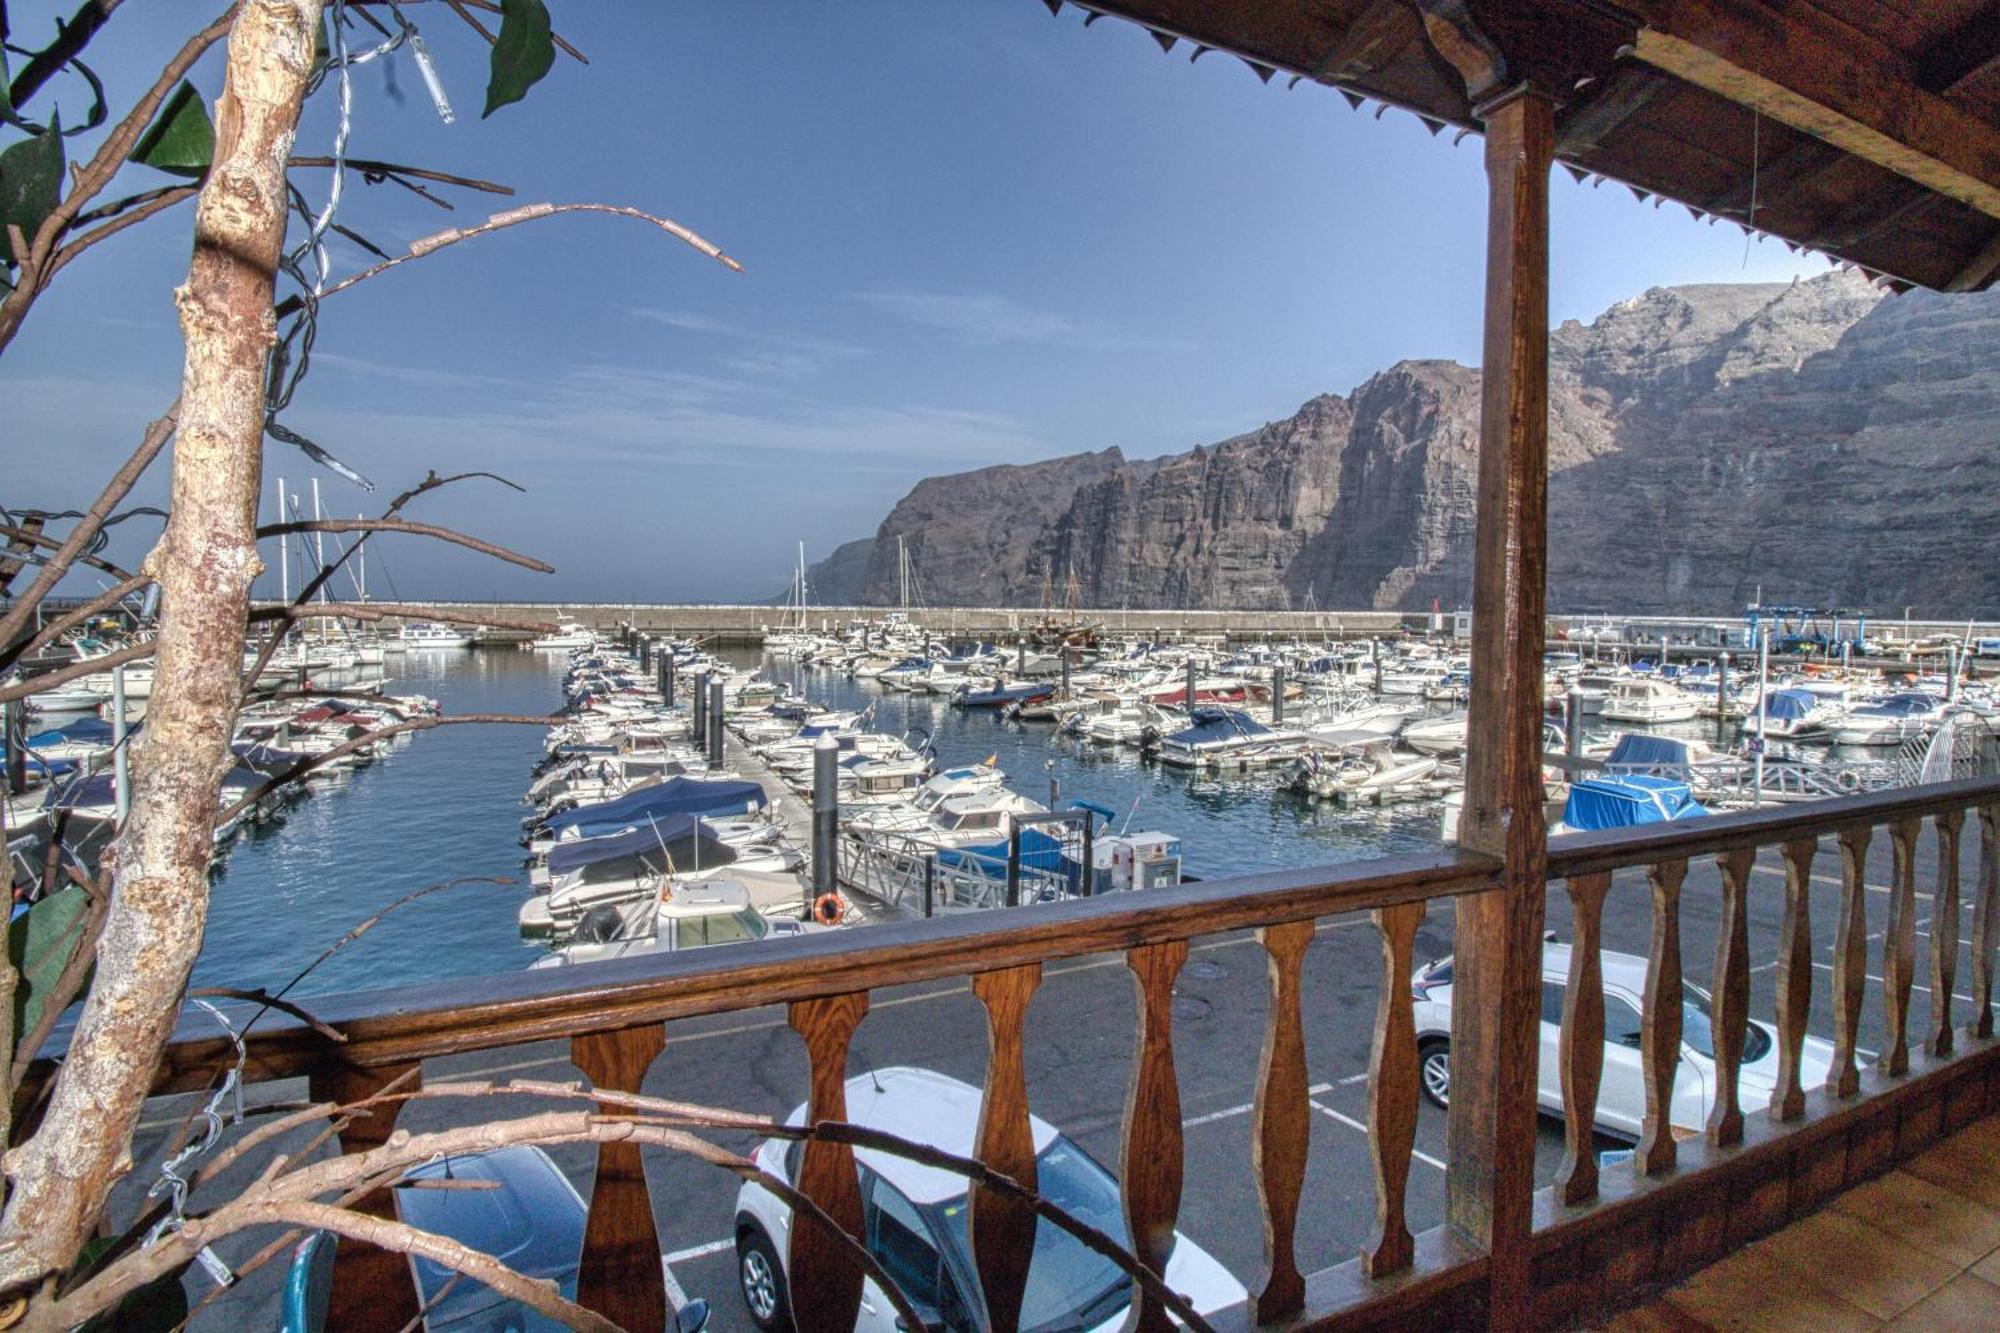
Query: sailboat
795,637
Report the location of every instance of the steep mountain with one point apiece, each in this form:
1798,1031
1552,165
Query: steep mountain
1815,439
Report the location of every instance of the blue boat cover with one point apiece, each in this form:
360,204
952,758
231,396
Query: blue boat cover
1634,798
567,856
675,796
1040,853
86,730
1218,724
1787,705
1636,751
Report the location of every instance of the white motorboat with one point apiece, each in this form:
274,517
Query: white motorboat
1436,735
688,916
569,633
423,635
1368,720
1889,721
1645,700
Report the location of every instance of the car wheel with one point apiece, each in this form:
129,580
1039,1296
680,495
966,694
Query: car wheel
762,1280
1434,1071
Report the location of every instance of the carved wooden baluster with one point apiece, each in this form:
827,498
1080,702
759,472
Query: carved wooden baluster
1899,946
1003,1228
373,1291
1660,1028
1732,996
1582,1051
1944,929
1392,1092
1985,922
620,1275
824,1283
1282,1129
1795,969
1850,963
1149,1162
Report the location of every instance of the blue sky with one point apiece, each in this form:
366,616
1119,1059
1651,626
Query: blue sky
971,234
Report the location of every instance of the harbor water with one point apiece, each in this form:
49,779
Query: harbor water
446,806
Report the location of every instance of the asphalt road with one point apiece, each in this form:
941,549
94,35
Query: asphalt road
1080,1044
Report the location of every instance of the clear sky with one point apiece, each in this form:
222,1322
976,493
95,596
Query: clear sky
972,234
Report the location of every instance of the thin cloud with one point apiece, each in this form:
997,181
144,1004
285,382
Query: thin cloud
986,319
786,355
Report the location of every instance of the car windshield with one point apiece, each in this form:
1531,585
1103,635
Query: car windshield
1070,1286
1698,1029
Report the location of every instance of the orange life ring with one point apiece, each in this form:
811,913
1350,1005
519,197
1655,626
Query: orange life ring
829,909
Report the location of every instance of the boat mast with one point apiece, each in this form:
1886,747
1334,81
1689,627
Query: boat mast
284,551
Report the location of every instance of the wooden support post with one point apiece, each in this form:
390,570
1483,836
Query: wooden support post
824,1282
619,1275
373,1291
1002,1228
1497,976
1149,1159
1281,1129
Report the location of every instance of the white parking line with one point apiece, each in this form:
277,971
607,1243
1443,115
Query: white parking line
698,1251
1352,1123
1833,880
1231,1112
1824,967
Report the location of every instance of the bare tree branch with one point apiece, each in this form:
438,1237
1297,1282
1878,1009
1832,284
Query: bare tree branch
513,217
397,611
347,747
72,35
370,167
88,181
89,666
50,544
404,525
87,527
53,629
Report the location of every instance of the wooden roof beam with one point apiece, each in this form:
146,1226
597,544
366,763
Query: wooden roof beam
1825,79
1377,35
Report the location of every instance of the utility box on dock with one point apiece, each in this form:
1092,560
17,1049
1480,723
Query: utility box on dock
1144,860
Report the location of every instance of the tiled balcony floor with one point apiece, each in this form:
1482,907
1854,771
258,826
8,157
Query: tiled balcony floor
1918,1248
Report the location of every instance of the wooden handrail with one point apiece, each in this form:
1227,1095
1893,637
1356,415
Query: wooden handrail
1575,854
478,1013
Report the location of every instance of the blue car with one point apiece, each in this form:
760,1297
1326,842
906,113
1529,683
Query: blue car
531,1220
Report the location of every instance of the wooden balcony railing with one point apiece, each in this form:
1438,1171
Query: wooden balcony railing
1686,1201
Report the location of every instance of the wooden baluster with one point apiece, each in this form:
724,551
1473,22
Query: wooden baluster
620,1275
1795,969
1003,1228
373,1291
1149,1161
1899,946
1392,1092
825,1283
1850,963
1731,996
1985,922
1944,929
1582,1051
1282,1126
1660,1027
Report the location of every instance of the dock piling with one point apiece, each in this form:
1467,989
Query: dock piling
1722,699
715,722
1190,686
13,720
826,820
1573,727
1278,694
121,762
698,713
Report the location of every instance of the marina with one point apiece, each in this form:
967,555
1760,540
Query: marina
1357,759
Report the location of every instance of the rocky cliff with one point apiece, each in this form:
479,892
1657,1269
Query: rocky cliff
1817,440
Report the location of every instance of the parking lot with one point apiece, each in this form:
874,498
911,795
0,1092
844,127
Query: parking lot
1079,1047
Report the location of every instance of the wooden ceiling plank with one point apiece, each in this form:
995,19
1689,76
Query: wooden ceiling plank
1800,72
1628,91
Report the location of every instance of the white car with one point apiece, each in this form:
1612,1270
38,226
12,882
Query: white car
1621,1098
914,1222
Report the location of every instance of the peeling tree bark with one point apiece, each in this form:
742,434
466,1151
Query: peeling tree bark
204,563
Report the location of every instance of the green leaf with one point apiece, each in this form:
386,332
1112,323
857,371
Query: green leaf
39,943
158,1307
31,173
181,140
523,53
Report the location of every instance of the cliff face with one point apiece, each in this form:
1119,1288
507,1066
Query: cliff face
1814,439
